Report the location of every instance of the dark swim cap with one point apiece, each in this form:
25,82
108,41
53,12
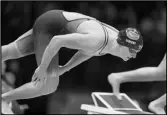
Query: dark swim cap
130,37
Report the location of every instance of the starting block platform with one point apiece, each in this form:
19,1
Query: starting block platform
107,103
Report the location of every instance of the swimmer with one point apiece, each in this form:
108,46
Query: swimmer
145,74
57,28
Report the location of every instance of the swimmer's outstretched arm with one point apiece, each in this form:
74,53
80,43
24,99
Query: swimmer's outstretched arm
72,41
144,74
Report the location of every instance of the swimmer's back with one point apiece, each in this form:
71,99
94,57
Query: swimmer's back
56,21
70,16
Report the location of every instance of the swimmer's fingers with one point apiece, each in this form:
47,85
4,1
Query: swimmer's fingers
40,81
36,81
33,78
117,94
116,91
114,81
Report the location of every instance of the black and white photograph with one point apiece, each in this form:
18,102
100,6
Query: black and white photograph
83,57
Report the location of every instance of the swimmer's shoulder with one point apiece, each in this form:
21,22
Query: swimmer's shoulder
92,25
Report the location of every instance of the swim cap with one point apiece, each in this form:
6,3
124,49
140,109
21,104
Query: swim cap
130,37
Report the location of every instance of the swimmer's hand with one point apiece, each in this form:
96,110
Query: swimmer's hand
39,76
113,79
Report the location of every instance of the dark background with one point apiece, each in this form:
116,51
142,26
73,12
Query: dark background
76,85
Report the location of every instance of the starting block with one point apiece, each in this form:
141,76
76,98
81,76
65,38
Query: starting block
107,103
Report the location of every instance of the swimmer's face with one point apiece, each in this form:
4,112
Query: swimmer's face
127,53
